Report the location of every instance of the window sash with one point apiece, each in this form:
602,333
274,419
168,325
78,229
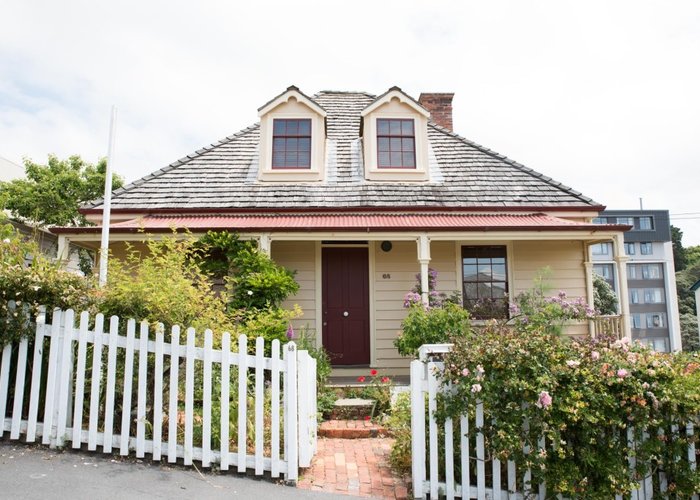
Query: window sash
485,281
396,143
291,143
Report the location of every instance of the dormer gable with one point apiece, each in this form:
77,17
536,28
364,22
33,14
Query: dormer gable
395,138
292,138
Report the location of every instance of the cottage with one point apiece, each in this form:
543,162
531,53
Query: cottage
359,194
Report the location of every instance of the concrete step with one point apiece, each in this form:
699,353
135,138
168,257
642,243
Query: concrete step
351,429
353,408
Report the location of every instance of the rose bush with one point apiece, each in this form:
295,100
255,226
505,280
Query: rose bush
583,397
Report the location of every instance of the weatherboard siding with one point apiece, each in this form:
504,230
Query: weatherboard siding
300,256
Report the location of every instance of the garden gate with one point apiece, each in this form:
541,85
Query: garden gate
192,401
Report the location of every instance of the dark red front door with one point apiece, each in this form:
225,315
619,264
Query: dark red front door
346,305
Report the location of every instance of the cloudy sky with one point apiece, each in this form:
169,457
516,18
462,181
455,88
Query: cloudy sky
603,96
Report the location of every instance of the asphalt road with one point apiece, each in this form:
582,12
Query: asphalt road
36,472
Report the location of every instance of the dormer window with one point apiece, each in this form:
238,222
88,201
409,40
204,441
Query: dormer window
396,143
395,139
292,139
291,143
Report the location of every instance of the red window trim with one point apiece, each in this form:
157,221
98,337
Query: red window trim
400,136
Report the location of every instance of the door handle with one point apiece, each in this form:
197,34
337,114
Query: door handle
346,314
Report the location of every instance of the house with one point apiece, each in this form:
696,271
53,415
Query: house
651,278
360,193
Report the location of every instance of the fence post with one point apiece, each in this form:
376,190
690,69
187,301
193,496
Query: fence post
290,413
65,379
307,408
417,428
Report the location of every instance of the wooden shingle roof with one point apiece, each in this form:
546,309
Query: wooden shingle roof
463,175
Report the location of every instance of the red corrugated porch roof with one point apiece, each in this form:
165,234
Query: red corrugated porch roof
349,222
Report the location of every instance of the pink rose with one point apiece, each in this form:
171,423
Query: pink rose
595,355
465,372
545,400
622,373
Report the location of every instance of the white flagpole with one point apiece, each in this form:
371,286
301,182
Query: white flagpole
107,202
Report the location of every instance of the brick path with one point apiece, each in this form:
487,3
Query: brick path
357,467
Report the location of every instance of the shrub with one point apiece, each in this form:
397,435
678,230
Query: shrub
582,396
431,326
399,421
32,280
164,285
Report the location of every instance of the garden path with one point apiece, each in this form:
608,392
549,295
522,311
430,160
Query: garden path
358,467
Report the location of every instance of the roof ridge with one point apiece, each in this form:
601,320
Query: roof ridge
516,164
361,92
186,159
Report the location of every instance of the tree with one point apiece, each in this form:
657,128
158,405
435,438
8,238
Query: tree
52,193
604,298
680,259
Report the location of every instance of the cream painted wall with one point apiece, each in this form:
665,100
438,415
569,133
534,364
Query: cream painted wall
300,256
564,258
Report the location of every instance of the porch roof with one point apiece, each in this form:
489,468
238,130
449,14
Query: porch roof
308,222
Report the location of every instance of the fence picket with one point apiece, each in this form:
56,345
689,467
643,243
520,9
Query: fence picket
95,383
158,374
51,378
417,428
19,388
242,452
275,409
512,476
36,375
259,400
64,378
449,460
464,454
65,407
480,453
172,406
189,397
80,380
128,380
290,415
433,430
225,384
141,391
206,399
111,384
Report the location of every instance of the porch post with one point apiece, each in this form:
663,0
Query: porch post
63,250
621,265
264,243
424,260
589,284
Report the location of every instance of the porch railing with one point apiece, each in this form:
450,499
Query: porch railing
608,325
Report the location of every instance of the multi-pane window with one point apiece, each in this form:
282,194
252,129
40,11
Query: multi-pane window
634,296
601,249
645,248
291,143
485,281
645,224
656,320
653,295
629,248
396,143
652,271
636,320
628,221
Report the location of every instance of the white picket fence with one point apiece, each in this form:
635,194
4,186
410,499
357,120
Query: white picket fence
72,400
438,479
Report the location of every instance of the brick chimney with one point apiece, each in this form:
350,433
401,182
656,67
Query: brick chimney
440,107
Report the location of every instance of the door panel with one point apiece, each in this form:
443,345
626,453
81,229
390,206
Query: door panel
346,305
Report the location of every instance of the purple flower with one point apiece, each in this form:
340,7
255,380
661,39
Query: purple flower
544,400
290,332
514,309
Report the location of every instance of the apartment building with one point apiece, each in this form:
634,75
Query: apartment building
651,280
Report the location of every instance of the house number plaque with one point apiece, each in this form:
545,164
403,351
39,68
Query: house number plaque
386,276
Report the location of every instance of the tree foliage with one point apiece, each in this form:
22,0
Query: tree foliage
604,298
51,194
680,259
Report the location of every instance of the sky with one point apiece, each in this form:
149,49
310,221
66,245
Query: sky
603,96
